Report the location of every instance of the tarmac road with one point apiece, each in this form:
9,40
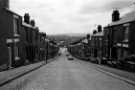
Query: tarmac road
63,74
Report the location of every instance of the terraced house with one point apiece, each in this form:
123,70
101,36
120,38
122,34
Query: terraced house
30,38
19,40
121,38
10,45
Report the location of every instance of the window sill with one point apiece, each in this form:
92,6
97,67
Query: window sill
17,58
16,35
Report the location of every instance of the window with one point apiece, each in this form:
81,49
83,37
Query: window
36,37
27,34
126,32
31,36
16,26
40,38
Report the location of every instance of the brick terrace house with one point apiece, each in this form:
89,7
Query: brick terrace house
97,45
10,45
20,40
121,35
86,49
30,39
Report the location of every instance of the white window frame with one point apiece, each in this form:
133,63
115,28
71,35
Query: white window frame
15,25
126,33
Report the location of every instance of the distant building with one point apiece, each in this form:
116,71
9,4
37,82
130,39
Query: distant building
97,44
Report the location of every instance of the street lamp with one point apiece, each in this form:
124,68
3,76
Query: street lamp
47,43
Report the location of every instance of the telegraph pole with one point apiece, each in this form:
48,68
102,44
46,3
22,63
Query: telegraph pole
47,42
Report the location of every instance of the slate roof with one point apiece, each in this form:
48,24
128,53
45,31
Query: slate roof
125,19
85,41
98,34
28,25
10,11
76,44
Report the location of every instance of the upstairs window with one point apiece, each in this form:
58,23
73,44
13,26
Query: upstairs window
27,34
36,36
16,25
126,32
31,36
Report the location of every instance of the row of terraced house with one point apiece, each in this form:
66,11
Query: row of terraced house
116,42
113,43
21,42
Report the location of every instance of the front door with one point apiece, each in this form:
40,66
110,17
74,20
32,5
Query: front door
10,57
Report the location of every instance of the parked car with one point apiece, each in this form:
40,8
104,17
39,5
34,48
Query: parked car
70,58
67,54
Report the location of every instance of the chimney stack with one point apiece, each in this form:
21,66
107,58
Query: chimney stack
32,22
27,18
115,15
99,28
4,3
94,32
88,36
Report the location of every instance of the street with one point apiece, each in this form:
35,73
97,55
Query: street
64,74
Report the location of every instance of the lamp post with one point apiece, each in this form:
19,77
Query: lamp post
46,57
46,53
45,47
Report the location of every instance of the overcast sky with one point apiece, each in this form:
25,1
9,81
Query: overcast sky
70,16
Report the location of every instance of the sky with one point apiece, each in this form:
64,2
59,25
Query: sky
70,16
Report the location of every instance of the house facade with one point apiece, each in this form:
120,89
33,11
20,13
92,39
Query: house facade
10,26
120,37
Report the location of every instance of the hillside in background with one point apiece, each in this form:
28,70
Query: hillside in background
67,38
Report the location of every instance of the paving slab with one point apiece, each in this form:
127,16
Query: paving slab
9,75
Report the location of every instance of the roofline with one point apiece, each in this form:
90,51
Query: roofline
10,11
123,23
28,25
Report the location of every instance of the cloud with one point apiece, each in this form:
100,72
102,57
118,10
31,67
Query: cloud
69,16
105,7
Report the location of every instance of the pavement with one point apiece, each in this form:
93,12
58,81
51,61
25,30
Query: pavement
64,74
9,75
12,74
